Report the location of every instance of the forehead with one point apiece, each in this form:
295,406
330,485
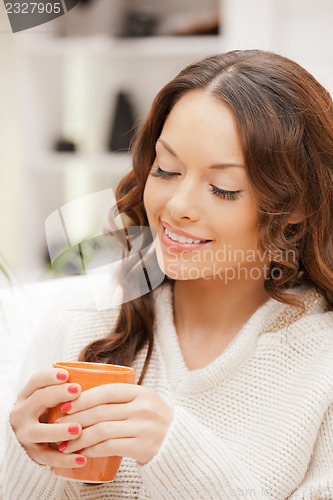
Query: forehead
202,126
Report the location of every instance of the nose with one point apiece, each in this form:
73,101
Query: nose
184,202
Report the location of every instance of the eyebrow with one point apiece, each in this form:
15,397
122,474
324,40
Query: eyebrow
217,166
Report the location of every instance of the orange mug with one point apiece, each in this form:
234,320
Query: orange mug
88,375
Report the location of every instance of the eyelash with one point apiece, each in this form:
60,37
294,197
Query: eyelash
222,193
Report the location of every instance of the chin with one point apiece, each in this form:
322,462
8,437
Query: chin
183,273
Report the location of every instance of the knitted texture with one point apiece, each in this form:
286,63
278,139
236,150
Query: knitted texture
257,422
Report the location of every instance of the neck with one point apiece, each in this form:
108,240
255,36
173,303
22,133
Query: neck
209,308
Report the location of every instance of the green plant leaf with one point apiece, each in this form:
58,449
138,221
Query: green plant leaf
3,270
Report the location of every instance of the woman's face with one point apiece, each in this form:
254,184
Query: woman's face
197,197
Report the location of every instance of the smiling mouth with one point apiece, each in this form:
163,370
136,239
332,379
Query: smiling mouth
179,241
182,239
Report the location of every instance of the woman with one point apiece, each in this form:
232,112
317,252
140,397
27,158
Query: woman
233,169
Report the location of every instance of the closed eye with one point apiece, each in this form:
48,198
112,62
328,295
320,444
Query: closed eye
222,193
228,195
163,173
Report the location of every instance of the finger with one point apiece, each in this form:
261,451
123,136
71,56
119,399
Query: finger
123,447
42,379
99,433
54,458
51,396
104,394
99,413
53,433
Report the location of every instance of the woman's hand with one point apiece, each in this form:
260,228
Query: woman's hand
28,418
126,420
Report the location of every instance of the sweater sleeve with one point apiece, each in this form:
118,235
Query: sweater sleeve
318,480
24,478
193,463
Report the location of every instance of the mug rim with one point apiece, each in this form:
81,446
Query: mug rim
80,366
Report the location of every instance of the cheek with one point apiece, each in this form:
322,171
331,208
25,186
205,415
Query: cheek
239,225
249,230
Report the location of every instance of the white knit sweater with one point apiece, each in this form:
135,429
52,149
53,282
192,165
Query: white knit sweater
257,422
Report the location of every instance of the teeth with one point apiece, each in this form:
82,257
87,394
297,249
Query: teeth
179,238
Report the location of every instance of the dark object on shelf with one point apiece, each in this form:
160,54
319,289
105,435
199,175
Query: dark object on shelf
123,127
65,146
190,24
140,24
204,27
85,2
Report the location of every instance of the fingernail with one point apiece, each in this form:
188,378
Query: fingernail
62,446
61,376
73,388
73,429
66,407
80,460
79,451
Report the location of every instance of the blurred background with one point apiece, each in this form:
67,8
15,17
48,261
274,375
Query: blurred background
73,90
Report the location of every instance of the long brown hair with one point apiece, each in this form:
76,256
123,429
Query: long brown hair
285,123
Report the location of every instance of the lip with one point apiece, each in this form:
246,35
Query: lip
176,246
181,233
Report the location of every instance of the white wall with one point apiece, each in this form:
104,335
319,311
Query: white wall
298,29
10,141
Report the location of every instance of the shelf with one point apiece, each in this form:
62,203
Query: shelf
158,46
102,163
